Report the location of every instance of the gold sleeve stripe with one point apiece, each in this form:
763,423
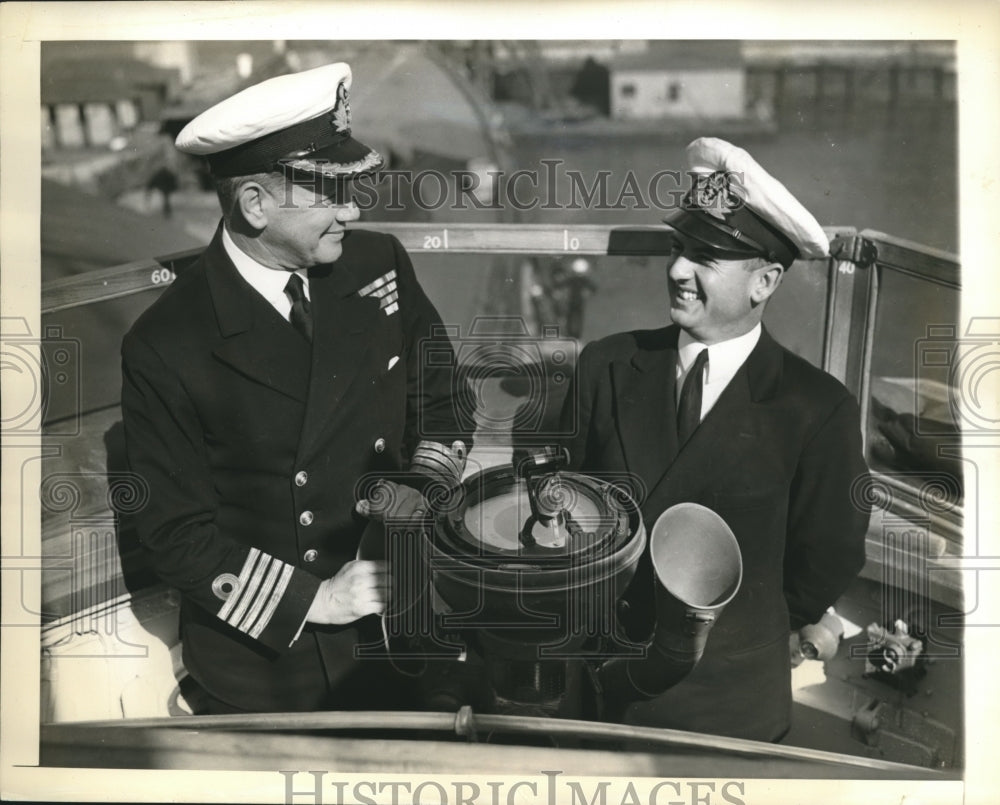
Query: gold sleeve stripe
262,595
248,566
439,461
250,592
272,604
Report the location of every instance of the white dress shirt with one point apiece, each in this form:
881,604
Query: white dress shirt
268,282
724,360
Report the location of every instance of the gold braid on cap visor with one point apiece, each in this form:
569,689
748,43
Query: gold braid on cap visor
297,143
717,214
719,200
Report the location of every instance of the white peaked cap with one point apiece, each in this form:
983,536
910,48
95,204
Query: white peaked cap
762,194
301,120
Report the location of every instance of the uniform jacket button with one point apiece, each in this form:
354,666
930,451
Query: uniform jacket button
380,445
310,555
306,517
301,478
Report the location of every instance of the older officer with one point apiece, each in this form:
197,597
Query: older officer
276,372
711,409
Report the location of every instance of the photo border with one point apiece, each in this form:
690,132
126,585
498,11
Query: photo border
973,24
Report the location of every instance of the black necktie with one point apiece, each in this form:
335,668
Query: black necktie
300,316
689,407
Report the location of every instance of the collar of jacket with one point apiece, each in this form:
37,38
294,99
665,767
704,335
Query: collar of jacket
647,417
263,347
229,291
763,366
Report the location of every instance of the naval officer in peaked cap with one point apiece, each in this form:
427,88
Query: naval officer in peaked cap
272,375
710,409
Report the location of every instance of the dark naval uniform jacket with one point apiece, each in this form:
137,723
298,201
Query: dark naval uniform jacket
252,445
778,457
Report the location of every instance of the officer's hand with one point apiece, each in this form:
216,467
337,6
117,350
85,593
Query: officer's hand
389,501
361,587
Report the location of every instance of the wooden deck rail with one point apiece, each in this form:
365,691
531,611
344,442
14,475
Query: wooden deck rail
496,238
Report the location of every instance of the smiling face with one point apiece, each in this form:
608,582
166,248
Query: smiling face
305,227
286,226
715,298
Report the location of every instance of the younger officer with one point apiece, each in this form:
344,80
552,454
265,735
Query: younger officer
274,374
712,410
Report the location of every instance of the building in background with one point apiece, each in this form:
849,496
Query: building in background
695,80
87,100
100,114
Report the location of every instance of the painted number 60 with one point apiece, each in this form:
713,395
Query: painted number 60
163,275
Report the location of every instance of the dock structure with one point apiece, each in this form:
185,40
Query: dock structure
891,72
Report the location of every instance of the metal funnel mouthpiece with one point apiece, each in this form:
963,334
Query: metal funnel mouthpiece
698,569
